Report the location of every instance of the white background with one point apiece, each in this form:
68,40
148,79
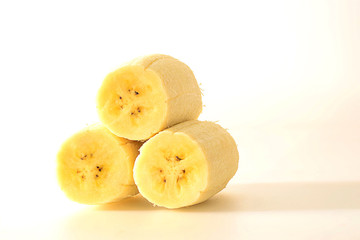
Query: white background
282,76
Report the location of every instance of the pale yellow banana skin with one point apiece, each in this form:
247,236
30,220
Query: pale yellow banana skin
95,166
186,164
147,95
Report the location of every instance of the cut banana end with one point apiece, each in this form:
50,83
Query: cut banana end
148,95
94,166
186,164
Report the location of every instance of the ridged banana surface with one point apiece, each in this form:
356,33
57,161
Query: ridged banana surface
147,95
94,166
186,164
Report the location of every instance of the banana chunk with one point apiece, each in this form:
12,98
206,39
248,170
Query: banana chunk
147,95
94,166
186,164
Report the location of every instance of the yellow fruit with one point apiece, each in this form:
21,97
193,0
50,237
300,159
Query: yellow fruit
94,166
186,164
147,95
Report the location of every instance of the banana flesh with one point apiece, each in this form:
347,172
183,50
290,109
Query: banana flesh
186,164
183,162
94,166
147,95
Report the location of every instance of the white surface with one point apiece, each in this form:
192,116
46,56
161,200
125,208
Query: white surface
282,76
243,211
37,209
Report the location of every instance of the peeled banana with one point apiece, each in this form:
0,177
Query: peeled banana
147,95
186,164
94,166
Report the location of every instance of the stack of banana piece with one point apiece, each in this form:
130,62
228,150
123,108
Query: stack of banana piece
148,141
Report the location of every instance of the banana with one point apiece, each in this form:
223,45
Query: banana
94,166
186,164
147,95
